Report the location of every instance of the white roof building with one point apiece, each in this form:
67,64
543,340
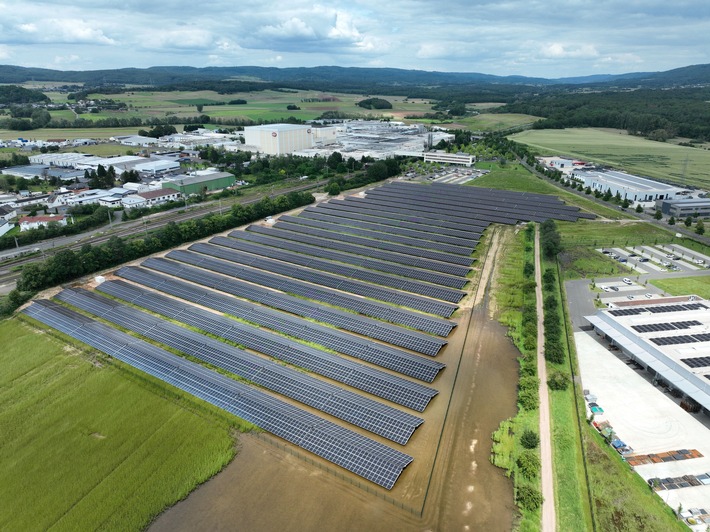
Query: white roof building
628,186
279,139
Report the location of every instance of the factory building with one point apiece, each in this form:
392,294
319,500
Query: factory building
198,184
449,158
682,208
630,187
279,139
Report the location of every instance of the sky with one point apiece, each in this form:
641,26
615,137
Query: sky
539,38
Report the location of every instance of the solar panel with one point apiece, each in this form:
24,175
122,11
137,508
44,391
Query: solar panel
360,376
398,282
667,326
418,241
421,343
697,362
368,308
339,282
361,455
366,251
347,258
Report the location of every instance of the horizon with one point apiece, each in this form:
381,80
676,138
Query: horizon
513,38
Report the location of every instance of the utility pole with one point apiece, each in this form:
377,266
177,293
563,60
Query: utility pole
110,221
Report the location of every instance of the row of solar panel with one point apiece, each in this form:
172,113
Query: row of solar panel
418,241
670,326
322,279
351,407
681,339
348,258
698,362
366,251
325,215
398,282
404,249
445,224
363,306
421,343
487,199
382,355
656,310
361,455
365,378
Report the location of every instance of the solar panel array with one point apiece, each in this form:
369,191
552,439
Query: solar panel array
419,342
366,307
360,376
354,408
681,339
697,362
398,282
670,326
382,355
656,309
338,282
350,450
356,260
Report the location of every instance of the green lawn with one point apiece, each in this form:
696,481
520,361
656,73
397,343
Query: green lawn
581,262
485,122
667,162
86,443
681,286
596,233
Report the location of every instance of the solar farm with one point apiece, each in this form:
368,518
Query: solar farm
327,329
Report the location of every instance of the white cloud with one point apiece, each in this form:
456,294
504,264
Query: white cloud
5,52
28,28
560,51
344,28
181,39
291,28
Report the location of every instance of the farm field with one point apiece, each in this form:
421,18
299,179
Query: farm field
69,133
681,286
597,233
484,122
664,161
85,444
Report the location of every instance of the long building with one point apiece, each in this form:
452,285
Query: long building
628,186
682,208
668,337
197,184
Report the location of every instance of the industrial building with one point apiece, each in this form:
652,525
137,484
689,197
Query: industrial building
200,183
449,158
157,166
35,222
669,338
630,187
682,208
279,139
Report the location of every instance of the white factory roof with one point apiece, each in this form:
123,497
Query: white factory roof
280,127
672,337
627,181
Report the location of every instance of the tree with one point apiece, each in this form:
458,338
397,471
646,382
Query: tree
529,439
700,227
528,497
200,107
671,220
639,208
625,204
334,159
688,221
658,215
377,171
529,463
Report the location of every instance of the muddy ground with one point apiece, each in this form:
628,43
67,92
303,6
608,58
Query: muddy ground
450,486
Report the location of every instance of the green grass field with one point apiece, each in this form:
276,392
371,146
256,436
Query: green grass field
665,161
596,233
87,444
484,122
681,286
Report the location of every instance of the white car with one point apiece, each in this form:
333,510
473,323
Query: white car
626,280
649,295
699,261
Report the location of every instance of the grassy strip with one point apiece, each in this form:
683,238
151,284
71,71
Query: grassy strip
571,490
87,444
512,296
681,286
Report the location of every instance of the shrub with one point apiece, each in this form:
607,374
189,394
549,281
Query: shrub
529,463
553,351
528,498
529,439
528,398
558,381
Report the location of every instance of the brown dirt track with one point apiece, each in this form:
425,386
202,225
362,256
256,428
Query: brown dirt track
451,485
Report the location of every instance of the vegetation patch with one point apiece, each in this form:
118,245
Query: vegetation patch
681,286
87,444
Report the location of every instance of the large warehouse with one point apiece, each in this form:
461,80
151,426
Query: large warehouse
682,208
630,187
668,337
279,139
197,184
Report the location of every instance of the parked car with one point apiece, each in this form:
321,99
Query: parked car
699,261
665,263
649,295
626,280
643,259
629,296
614,288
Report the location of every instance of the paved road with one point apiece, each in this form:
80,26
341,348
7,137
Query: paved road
549,518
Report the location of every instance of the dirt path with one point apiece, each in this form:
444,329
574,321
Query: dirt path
548,490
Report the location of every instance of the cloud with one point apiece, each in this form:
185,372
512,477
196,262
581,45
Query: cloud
560,51
5,52
181,39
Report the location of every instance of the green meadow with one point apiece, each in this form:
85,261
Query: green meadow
87,443
671,163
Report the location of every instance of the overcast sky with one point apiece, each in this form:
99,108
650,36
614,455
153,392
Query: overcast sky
547,38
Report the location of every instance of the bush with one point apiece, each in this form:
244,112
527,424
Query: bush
529,439
553,351
558,381
528,498
529,398
529,464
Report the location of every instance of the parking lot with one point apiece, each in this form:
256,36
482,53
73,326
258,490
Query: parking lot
658,258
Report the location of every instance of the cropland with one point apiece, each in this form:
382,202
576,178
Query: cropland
666,162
